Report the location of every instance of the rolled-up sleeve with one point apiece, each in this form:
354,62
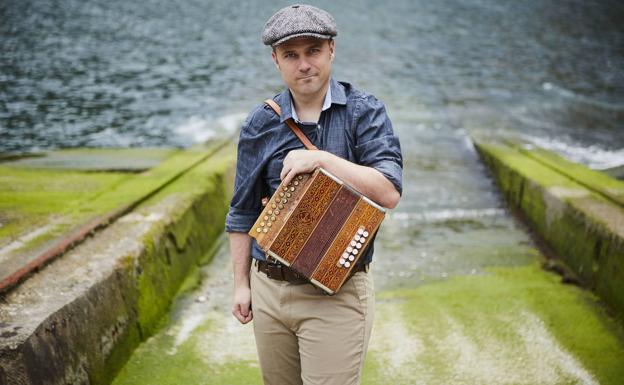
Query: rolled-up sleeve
249,187
376,144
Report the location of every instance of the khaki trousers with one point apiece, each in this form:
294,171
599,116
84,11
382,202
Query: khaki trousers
306,337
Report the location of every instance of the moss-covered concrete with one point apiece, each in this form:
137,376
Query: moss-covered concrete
599,182
583,226
507,325
41,206
511,326
117,286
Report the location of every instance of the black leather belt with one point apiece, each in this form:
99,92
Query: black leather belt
280,272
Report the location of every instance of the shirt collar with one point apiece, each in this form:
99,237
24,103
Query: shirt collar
335,95
326,104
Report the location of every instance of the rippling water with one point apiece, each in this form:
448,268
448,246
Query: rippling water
121,73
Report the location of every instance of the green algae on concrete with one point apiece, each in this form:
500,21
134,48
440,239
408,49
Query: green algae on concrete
515,325
202,223
582,226
42,206
28,197
197,360
90,337
593,180
201,343
508,325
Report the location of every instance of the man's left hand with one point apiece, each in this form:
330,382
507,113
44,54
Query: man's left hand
300,162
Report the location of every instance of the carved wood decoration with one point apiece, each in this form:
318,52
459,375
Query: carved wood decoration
319,226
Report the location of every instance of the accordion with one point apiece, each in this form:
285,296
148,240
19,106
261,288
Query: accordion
318,226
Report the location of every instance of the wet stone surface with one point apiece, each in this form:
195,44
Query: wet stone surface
508,325
460,296
95,159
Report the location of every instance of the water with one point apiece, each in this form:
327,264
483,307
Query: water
118,73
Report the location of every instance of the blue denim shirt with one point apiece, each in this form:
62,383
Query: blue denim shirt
355,127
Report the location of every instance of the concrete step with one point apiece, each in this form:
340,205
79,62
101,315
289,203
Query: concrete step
576,211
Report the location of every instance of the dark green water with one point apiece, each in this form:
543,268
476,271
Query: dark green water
123,73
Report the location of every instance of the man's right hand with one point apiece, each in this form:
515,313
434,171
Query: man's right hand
242,304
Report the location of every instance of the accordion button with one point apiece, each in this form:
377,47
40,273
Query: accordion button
347,264
365,234
349,249
342,261
266,217
351,258
262,224
345,255
355,251
259,230
299,177
270,212
273,205
284,200
353,243
296,183
292,189
361,231
273,218
265,230
358,245
288,195
281,194
276,212
356,238
269,224
281,206
285,188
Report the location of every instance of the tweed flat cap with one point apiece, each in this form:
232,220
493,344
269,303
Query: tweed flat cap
298,20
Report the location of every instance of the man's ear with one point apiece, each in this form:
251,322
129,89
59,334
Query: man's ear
274,57
332,49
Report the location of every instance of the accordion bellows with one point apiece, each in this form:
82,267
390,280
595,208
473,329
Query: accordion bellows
319,226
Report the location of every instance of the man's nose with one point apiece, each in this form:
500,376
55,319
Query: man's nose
304,66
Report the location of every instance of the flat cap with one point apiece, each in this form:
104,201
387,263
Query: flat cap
298,20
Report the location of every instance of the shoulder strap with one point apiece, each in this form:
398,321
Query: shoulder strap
291,123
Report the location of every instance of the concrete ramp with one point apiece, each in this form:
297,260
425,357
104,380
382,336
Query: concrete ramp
77,319
577,212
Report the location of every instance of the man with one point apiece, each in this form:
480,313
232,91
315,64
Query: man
302,335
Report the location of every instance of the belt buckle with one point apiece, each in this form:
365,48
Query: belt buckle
274,271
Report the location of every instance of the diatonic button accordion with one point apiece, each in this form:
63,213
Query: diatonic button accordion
319,226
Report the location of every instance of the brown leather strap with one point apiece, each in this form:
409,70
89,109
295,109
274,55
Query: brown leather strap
291,123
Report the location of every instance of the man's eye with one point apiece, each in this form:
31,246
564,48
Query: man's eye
289,55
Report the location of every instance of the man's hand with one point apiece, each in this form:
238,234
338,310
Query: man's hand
240,245
300,162
367,180
242,305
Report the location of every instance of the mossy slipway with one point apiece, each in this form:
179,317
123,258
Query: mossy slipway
465,311
78,319
507,325
94,202
461,299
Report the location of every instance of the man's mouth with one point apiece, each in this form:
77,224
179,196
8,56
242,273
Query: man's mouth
306,77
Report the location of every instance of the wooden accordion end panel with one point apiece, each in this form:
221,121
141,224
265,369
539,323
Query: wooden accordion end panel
319,226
